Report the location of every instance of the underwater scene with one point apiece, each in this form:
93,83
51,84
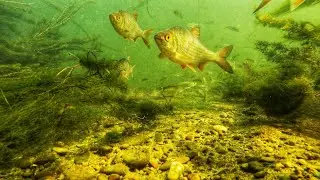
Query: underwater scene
160,89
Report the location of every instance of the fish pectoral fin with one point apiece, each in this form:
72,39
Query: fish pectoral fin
162,56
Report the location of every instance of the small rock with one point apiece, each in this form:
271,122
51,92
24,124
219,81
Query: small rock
158,137
44,158
194,176
269,149
176,171
104,150
165,166
60,150
302,162
290,143
284,177
182,159
154,163
278,166
260,174
267,159
254,166
223,115
288,164
114,177
136,159
220,129
189,137
120,169
102,177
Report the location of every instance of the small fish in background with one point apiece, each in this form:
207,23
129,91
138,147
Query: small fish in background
233,28
178,13
183,46
127,26
261,5
125,68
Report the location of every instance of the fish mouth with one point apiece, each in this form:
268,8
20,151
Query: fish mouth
111,17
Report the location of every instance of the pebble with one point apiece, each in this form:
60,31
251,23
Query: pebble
102,177
220,129
278,166
260,174
255,166
194,176
120,169
176,170
269,149
267,159
165,166
60,150
182,159
114,177
136,159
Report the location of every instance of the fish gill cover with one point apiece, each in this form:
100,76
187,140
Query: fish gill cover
79,71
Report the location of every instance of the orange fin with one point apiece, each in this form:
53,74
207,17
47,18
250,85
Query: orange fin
294,4
145,36
201,66
261,5
222,61
183,66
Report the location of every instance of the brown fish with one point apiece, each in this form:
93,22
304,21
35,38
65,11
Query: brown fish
127,26
182,46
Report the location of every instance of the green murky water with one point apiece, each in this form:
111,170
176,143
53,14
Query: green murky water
79,101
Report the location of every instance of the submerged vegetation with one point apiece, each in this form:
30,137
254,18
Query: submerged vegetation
42,103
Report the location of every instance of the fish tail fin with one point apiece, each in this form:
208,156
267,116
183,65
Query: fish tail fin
294,4
145,37
222,58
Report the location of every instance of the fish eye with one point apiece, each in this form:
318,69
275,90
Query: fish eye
167,37
118,18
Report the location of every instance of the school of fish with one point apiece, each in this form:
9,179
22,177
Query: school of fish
180,45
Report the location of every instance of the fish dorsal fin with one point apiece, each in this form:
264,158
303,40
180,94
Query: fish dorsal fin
195,30
135,16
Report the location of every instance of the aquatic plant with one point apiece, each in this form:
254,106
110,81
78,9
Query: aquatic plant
296,73
43,43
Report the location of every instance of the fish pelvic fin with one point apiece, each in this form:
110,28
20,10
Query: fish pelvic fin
222,58
145,37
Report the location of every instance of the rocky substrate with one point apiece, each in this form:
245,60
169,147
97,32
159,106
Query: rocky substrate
187,145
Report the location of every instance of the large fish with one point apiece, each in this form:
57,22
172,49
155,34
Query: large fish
183,47
127,26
